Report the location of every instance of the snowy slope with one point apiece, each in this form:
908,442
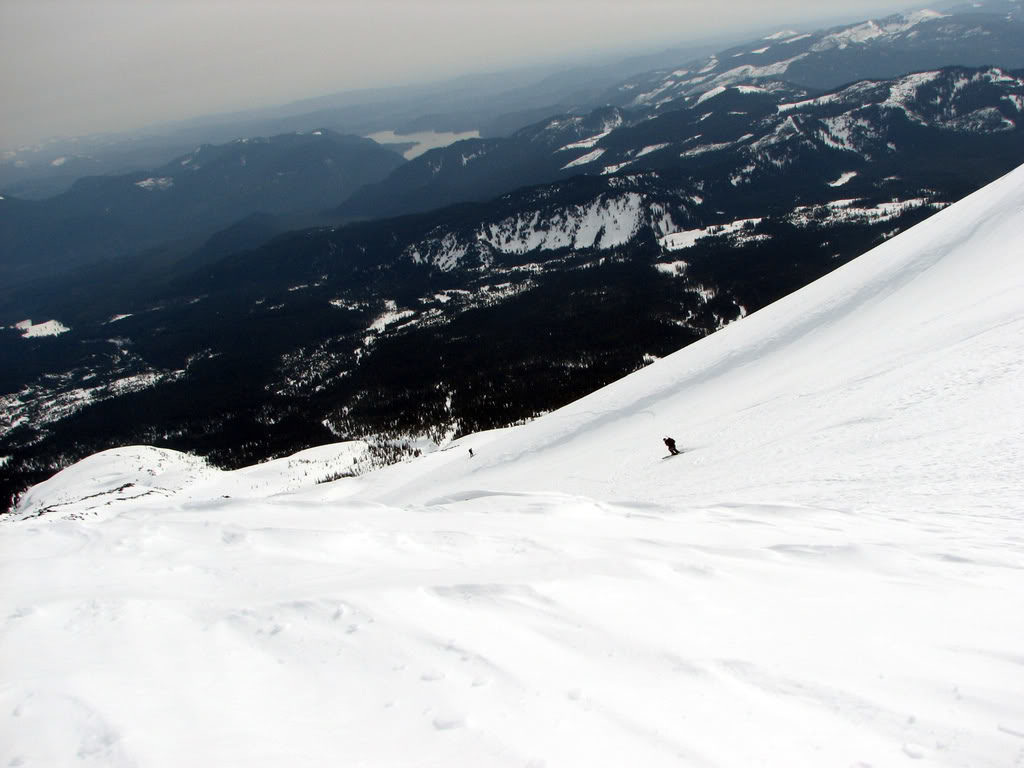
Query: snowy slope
920,334
832,574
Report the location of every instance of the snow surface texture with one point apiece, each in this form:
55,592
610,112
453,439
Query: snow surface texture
831,574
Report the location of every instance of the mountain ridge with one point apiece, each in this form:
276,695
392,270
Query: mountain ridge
609,141
105,217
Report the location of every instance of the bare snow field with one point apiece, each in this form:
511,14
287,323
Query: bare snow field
832,574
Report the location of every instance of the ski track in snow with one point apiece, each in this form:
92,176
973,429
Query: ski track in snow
831,574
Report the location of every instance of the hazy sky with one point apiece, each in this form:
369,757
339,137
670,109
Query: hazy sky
69,67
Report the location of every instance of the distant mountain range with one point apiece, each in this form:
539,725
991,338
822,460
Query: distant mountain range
495,104
107,217
742,134
799,65
828,58
498,104
521,273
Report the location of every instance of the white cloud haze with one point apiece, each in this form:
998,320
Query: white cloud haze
75,66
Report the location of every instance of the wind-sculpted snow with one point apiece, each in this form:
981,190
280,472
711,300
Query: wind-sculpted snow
93,486
830,573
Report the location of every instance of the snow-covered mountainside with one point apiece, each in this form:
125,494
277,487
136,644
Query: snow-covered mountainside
830,573
826,58
753,141
748,129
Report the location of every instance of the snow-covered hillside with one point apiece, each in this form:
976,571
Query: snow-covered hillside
831,574
827,57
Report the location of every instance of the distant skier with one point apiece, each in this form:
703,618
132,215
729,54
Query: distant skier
471,453
671,446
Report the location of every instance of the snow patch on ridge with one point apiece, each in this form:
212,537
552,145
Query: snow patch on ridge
839,211
848,132
750,72
703,149
607,222
677,241
869,31
585,159
391,315
711,94
611,169
161,183
604,223
905,89
672,268
585,143
780,34
843,179
32,330
651,148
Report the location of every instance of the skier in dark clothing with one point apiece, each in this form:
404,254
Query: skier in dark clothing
671,446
